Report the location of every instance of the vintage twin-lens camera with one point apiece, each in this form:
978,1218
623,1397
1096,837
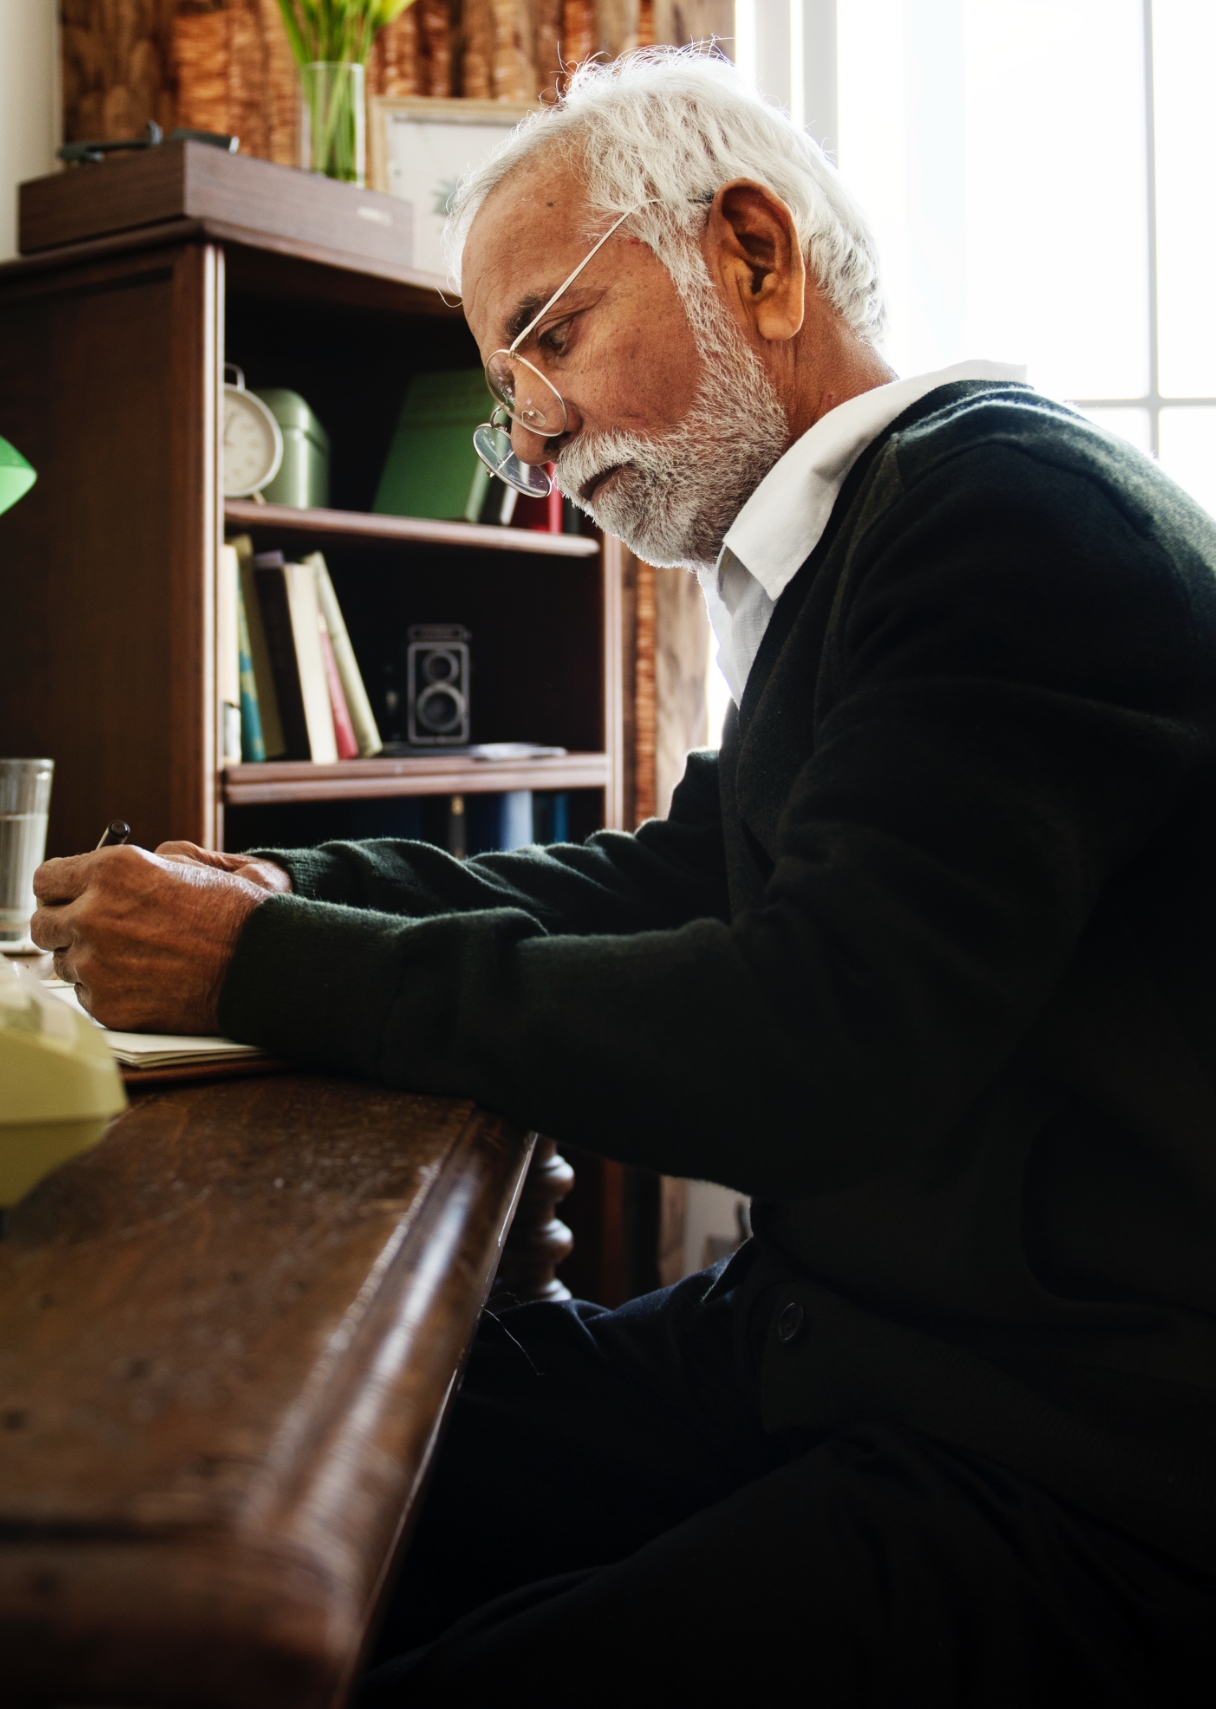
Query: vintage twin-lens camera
437,685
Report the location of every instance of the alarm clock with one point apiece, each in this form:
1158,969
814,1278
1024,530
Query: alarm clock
253,440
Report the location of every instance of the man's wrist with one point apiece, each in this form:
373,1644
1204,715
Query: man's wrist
317,875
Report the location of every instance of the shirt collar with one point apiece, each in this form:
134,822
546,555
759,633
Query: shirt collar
782,521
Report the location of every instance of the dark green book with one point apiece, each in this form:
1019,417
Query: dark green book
432,469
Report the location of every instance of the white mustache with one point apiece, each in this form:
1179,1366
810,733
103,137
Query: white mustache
579,465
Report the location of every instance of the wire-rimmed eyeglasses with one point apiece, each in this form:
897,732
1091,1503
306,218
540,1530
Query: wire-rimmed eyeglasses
522,393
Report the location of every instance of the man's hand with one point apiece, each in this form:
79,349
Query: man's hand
147,938
263,872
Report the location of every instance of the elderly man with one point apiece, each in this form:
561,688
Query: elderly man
923,960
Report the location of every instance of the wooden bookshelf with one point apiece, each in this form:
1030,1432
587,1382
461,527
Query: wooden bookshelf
365,780
111,371
319,525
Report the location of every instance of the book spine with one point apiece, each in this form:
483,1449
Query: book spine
539,515
301,584
281,650
359,706
498,505
253,748
477,492
498,821
273,739
344,731
228,676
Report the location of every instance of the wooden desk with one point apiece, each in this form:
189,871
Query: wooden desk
227,1339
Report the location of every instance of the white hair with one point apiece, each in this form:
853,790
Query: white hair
675,124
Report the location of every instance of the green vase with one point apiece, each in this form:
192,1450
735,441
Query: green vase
333,133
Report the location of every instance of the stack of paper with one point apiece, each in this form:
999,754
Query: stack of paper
160,1050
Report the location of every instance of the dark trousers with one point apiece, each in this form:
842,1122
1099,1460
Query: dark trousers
610,1525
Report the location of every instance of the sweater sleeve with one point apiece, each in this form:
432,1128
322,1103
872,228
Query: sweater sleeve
669,871
1010,717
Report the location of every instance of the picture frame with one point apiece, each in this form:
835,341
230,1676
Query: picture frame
419,147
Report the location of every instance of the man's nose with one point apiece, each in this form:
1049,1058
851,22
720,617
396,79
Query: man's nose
530,447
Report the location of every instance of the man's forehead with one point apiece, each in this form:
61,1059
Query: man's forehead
519,246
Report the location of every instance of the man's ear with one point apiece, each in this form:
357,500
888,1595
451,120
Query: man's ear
752,249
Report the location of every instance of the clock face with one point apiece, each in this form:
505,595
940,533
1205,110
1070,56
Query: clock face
253,445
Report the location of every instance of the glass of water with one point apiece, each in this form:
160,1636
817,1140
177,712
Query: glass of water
25,799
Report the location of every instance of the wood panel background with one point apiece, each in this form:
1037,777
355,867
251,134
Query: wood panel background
107,384
224,65
668,666
670,661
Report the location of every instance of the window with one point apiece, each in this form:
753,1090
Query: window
1039,174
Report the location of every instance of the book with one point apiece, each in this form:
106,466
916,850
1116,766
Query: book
490,500
481,494
540,515
344,731
498,502
498,821
551,816
273,741
358,705
252,746
160,1050
227,661
287,594
432,469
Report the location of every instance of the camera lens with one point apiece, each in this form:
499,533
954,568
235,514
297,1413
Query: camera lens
440,667
439,709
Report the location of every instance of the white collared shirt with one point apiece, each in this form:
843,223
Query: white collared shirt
783,520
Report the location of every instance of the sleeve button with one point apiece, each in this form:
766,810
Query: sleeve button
789,1324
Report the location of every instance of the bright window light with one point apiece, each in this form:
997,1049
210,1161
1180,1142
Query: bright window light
1004,150
1056,224
1184,54
1130,424
745,38
717,694
1188,451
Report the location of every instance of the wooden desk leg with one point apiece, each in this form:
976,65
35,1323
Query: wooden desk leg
538,1242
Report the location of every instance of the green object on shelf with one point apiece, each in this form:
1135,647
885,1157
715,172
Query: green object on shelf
16,476
432,469
303,477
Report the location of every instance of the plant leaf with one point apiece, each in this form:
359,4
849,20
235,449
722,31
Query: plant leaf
336,30
291,26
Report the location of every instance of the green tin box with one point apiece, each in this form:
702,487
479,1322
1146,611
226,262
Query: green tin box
303,477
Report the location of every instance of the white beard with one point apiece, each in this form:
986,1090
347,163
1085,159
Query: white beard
676,497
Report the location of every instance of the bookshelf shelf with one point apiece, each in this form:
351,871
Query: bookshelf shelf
364,780
404,530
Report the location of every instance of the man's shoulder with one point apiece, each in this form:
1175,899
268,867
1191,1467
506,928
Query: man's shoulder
1009,434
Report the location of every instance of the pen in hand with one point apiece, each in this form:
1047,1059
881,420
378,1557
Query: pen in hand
117,831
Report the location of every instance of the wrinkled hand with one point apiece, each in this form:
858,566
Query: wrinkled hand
263,872
147,938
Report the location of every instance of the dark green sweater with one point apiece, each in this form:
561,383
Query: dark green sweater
924,960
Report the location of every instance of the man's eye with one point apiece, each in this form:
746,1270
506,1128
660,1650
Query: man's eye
554,339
